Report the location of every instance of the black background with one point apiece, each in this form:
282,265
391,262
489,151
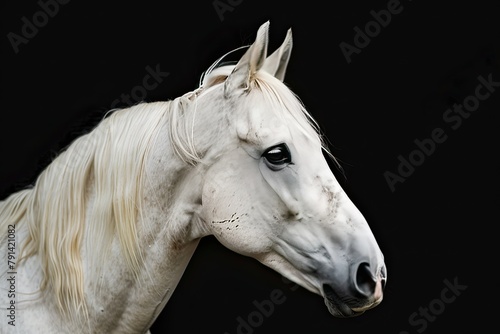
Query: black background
438,225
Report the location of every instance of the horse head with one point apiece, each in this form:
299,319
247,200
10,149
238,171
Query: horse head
268,191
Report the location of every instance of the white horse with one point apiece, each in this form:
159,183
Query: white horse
100,241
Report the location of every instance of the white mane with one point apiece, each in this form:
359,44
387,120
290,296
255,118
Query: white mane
110,158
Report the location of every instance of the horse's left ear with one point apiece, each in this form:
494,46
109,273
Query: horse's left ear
277,62
250,63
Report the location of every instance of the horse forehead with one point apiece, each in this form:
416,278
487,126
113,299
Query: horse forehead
262,125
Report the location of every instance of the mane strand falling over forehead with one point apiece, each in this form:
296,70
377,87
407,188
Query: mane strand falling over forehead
285,103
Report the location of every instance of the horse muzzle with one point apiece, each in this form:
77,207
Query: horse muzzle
364,292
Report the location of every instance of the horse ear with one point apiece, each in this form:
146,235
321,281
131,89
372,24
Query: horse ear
276,63
250,63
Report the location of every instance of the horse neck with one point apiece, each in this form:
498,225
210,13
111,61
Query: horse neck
167,239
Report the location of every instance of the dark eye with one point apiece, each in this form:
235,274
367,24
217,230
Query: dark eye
277,157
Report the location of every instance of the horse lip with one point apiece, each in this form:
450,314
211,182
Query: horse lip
336,306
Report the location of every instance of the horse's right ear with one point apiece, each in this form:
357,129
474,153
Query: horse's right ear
249,63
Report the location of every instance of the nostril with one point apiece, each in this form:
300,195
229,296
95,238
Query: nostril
365,282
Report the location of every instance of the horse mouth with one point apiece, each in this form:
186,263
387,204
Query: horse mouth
336,306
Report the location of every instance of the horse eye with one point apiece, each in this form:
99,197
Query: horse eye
278,157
